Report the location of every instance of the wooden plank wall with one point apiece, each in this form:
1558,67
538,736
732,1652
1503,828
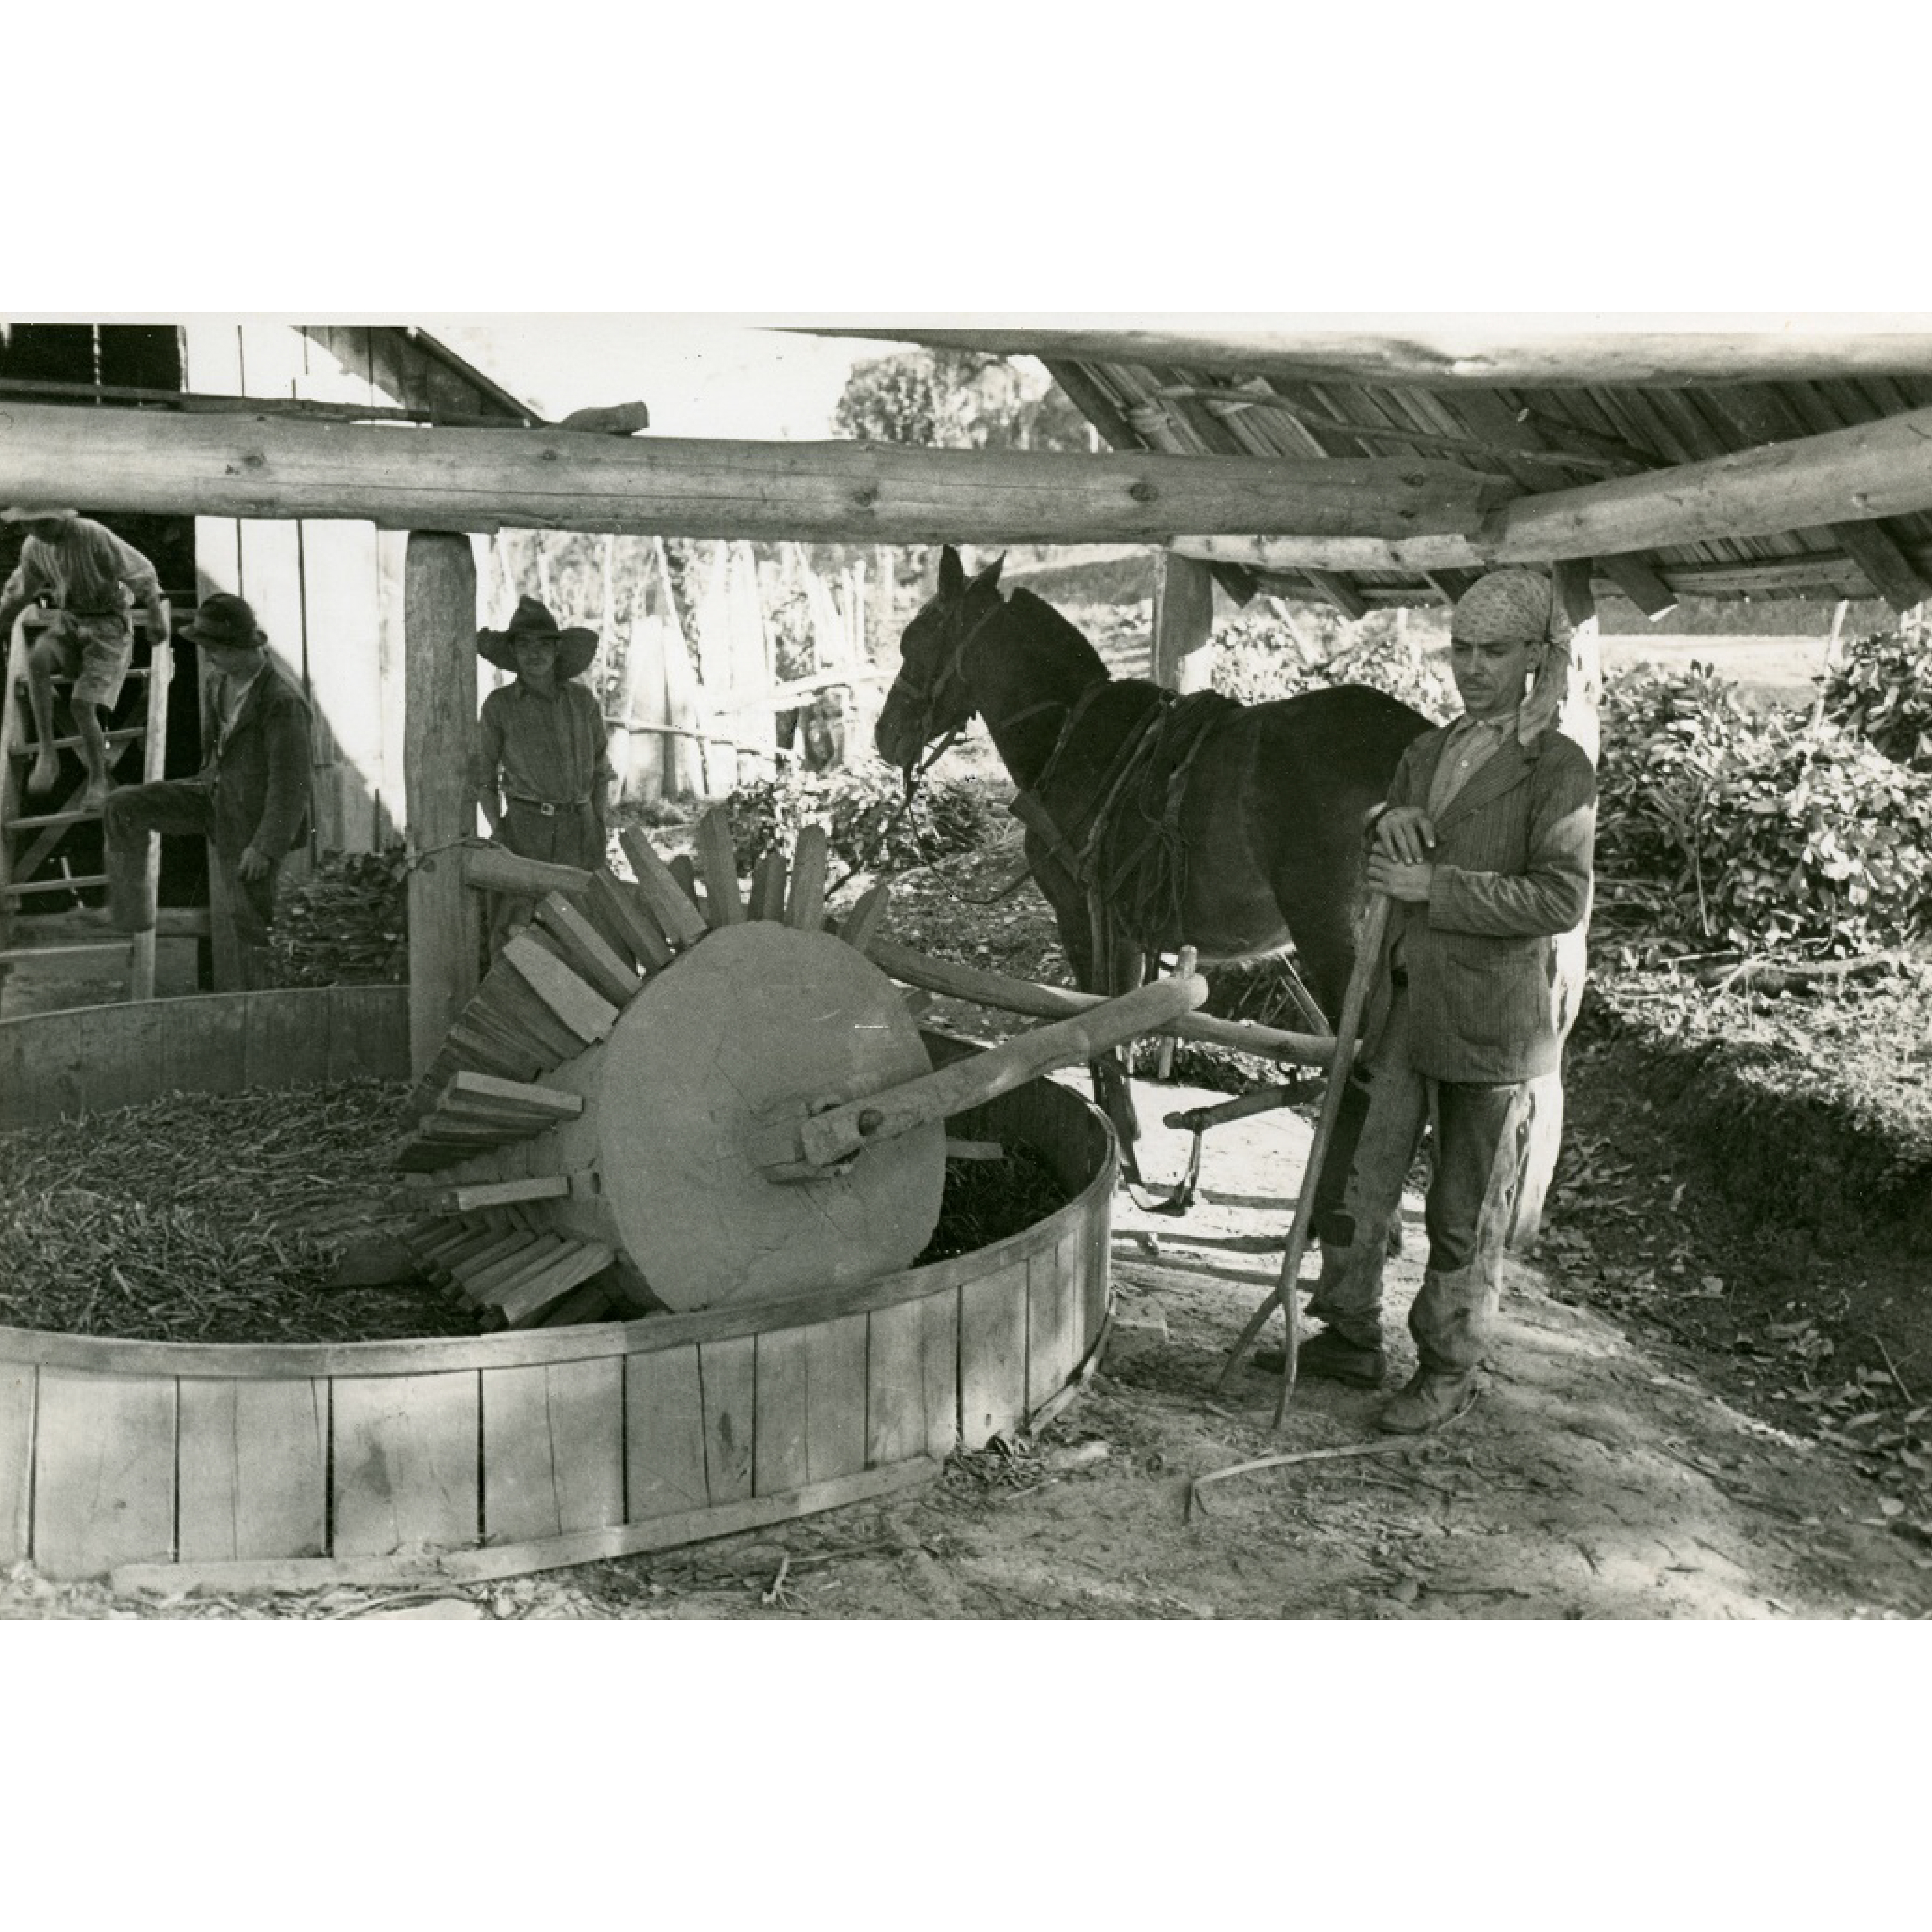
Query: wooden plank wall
327,593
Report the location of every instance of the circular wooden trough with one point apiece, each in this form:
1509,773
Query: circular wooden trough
237,1466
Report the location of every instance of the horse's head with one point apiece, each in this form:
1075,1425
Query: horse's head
932,695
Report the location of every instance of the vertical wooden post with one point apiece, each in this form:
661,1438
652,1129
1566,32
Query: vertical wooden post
1183,613
439,644
1571,685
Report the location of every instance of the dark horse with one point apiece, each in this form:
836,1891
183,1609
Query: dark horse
1267,823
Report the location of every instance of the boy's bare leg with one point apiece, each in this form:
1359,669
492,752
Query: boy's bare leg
94,753
42,661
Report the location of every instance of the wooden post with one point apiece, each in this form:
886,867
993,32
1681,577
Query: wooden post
1183,613
439,644
1571,685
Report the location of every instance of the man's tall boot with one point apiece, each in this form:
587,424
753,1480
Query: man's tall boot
1452,1320
1347,1300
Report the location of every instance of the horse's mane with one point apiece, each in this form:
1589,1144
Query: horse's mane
1046,625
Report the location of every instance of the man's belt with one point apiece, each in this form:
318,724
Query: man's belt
545,806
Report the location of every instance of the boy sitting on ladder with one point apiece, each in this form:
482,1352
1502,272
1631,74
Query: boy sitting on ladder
93,578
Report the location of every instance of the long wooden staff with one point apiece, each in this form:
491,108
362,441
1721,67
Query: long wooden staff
1368,959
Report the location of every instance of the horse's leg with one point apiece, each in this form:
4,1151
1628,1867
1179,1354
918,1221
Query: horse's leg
1096,969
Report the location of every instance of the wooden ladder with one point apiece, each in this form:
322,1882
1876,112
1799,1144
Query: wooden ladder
30,832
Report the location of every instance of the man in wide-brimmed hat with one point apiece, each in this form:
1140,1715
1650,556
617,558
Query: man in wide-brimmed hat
92,578
249,798
543,770
1484,845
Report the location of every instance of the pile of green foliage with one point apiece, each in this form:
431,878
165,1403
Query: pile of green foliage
1723,827
1882,690
860,809
347,924
1258,658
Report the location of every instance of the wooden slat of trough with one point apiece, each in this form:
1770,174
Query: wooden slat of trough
912,1378
103,1471
405,1463
254,1464
727,1379
834,1416
476,1566
664,1451
284,1043
992,1355
552,1450
784,1404
364,1044
17,1382
1095,1278
1054,1314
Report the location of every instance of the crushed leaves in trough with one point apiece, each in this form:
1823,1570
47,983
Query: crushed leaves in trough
207,1218
220,1218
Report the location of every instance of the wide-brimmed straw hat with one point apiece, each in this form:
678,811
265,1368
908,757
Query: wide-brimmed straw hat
575,645
227,622
33,513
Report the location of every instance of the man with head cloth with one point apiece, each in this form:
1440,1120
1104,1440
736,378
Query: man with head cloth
1484,845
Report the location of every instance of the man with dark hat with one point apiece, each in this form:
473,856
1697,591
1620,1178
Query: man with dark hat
249,798
1485,847
543,771
91,577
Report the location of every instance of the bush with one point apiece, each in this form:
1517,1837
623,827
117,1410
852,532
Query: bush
856,807
1756,829
1882,692
1257,659
347,924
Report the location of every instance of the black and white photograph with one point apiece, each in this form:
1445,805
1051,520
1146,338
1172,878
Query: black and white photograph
962,966
662,967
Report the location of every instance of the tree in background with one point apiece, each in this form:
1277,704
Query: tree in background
956,399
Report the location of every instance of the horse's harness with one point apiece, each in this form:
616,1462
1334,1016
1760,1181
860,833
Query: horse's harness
1133,895
1125,852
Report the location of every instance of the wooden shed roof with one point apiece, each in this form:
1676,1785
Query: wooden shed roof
1550,413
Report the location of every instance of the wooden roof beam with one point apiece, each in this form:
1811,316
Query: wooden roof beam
1880,468
169,462
1447,356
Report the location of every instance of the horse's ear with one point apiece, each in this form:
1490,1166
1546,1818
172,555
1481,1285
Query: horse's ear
952,572
989,579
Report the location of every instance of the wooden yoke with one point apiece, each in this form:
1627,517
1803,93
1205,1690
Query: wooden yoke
839,1133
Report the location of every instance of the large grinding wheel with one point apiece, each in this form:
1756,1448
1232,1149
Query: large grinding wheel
657,1098
758,1016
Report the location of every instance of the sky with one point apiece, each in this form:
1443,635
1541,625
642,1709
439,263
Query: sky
701,376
